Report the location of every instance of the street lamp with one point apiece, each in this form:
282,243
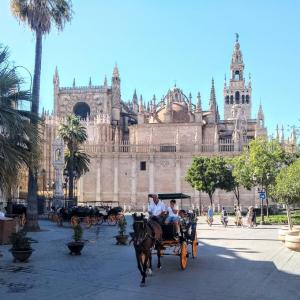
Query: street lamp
30,75
65,185
261,191
75,176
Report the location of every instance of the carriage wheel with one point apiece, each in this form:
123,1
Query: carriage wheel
111,220
183,256
88,222
99,220
194,247
74,221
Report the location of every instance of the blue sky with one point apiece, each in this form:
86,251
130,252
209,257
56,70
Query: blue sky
158,42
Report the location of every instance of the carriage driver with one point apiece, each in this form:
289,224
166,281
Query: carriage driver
157,209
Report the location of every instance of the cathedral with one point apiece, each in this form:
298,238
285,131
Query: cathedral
138,148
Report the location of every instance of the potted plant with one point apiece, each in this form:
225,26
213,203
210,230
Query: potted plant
21,246
122,237
77,244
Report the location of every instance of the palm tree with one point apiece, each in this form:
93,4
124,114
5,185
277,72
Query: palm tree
15,128
76,161
40,16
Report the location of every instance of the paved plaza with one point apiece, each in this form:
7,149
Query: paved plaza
232,263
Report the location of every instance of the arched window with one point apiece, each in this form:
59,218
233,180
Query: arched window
237,75
237,97
243,99
231,99
82,110
247,99
227,99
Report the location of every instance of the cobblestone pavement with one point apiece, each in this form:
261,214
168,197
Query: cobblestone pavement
232,263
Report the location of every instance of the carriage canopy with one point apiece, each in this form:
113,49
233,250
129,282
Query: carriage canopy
170,196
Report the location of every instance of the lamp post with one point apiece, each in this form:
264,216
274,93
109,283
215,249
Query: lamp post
75,176
30,75
65,186
261,192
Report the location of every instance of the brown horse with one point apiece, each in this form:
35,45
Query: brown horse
146,236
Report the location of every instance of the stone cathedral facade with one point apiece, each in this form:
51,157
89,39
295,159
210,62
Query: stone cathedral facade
138,148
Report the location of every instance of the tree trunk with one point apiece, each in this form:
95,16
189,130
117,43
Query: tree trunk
9,203
288,212
71,182
32,212
211,199
236,192
267,202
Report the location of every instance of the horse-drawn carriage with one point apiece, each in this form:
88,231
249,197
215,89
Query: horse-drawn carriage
183,245
87,215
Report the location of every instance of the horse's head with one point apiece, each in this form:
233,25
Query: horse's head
139,228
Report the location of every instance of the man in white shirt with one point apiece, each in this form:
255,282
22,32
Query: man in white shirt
156,208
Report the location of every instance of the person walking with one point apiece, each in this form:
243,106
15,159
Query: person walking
238,217
210,215
250,216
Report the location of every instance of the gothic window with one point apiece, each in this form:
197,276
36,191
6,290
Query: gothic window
143,166
243,99
247,99
237,75
237,97
227,99
231,99
82,110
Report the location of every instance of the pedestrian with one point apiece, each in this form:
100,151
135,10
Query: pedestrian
250,216
238,217
210,215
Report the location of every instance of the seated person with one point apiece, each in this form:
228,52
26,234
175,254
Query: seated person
157,209
173,216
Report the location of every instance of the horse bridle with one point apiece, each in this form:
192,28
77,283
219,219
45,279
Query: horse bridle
146,234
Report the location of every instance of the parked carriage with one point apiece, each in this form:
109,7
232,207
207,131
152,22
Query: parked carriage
87,215
187,244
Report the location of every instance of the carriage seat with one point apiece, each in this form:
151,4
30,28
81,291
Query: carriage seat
169,231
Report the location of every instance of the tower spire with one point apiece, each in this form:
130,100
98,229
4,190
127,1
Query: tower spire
56,77
198,105
212,100
237,91
116,71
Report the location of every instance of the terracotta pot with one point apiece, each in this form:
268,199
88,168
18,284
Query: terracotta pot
284,230
21,255
292,240
121,239
75,247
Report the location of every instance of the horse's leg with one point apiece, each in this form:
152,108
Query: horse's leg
144,267
137,255
150,263
157,246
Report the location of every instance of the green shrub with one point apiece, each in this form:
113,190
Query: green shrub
77,233
19,241
122,226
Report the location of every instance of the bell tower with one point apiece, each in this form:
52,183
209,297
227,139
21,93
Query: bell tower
237,92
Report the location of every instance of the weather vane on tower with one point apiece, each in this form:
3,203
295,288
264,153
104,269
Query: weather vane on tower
236,37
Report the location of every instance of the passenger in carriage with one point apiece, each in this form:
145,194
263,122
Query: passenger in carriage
157,209
173,216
